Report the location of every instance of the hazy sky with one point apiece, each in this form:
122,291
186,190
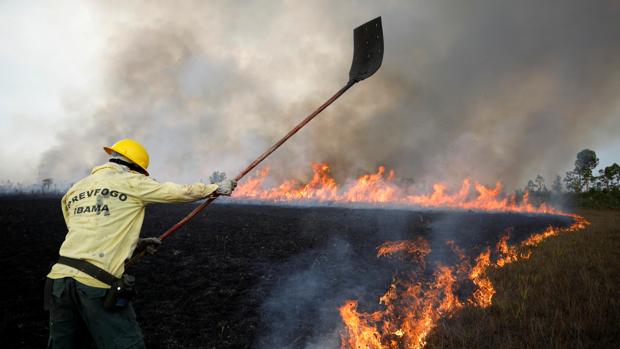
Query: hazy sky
494,90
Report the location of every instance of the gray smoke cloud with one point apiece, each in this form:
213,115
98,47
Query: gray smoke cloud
301,309
493,90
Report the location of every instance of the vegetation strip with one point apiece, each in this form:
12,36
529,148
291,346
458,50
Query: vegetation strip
565,295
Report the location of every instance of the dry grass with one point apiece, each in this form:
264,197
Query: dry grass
567,295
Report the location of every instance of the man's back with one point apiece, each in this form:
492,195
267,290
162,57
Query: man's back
104,214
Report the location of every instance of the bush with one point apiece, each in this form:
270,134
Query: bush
597,199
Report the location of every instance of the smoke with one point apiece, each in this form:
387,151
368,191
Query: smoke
471,232
301,310
493,90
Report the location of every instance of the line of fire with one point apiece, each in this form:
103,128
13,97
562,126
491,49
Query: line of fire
412,303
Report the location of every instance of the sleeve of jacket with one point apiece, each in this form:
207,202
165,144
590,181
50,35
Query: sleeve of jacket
152,191
65,210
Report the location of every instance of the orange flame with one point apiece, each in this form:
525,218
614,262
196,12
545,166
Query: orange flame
508,254
484,294
413,307
414,249
384,189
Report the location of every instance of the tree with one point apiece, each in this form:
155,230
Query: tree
602,179
530,187
610,176
573,181
557,185
616,175
46,185
540,184
585,163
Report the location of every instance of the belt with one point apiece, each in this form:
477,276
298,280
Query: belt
89,269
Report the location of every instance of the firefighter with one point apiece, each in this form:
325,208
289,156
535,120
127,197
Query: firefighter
87,293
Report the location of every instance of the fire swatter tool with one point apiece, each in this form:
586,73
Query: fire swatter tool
367,58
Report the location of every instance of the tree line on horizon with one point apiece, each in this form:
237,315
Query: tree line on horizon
581,178
578,181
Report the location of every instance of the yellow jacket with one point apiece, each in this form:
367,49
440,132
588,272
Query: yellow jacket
104,214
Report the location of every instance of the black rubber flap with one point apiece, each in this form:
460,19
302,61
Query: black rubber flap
367,50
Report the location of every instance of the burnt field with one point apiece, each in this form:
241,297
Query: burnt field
243,276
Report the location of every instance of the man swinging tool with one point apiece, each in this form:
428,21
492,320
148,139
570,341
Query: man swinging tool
87,293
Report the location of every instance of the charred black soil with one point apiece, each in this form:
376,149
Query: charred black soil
241,276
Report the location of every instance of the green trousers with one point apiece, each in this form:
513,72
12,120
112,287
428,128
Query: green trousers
78,319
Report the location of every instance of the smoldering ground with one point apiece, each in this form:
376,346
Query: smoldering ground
494,90
244,275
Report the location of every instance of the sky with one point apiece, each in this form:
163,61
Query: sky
491,90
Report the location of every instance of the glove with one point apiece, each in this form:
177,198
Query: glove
226,187
148,245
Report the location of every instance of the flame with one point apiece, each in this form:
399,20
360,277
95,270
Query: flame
412,307
506,253
361,327
407,249
382,187
412,304
483,295
580,223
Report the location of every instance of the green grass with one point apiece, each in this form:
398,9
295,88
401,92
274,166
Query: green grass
566,295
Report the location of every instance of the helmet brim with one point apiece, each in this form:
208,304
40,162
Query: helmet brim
110,151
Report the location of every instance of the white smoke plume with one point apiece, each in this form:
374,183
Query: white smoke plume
493,90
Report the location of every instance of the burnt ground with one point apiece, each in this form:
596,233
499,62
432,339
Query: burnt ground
241,276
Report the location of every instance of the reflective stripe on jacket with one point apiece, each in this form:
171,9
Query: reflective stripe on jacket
104,214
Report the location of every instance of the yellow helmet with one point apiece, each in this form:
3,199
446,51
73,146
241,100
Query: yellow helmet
132,150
